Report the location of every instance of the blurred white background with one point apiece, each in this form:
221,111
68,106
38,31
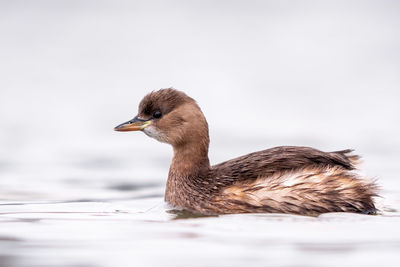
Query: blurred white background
266,73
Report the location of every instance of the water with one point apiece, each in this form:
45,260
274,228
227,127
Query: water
75,193
144,232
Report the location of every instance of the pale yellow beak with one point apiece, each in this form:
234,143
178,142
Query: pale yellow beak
135,124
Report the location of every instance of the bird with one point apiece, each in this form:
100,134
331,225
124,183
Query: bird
285,179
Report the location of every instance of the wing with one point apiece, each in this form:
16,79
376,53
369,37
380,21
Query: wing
298,180
279,159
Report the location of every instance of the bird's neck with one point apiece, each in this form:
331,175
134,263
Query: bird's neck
189,169
189,159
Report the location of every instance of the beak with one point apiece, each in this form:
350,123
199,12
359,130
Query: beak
135,124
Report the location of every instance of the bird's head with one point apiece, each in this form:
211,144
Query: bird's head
169,116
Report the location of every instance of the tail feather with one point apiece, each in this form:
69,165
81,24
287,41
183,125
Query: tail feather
347,154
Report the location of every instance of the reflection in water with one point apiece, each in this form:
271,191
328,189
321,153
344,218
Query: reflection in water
9,239
326,248
7,260
184,214
132,186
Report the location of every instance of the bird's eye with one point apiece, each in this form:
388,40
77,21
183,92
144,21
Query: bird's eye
157,114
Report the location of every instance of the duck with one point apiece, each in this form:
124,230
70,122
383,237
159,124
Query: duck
285,179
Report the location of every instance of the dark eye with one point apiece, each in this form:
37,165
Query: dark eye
157,114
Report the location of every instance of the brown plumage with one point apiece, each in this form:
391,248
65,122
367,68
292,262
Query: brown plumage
287,179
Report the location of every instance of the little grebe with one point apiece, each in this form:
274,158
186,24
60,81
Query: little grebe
286,179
